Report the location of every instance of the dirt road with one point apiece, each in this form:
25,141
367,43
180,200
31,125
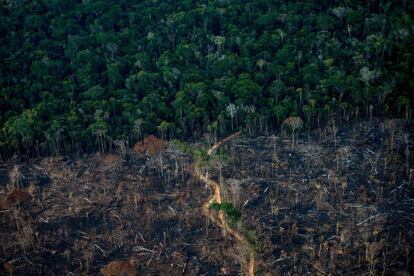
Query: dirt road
216,197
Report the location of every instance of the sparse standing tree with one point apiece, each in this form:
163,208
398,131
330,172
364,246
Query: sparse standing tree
221,158
122,147
15,176
137,127
294,123
232,111
334,131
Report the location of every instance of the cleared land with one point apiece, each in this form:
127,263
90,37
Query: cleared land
338,201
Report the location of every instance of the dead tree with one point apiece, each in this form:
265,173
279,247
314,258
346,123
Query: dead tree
293,123
15,176
122,148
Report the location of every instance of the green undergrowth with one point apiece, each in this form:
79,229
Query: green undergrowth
183,147
233,213
235,222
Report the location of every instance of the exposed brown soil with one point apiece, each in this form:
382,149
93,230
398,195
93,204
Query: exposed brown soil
17,196
124,268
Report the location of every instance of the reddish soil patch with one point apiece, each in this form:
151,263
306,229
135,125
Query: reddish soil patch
17,196
117,268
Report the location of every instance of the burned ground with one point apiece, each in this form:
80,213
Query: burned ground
88,212
340,202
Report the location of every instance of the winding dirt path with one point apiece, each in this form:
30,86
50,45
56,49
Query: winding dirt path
216,197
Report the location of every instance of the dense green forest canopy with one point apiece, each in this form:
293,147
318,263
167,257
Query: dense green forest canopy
77,76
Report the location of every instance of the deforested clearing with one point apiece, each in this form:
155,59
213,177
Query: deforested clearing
338,201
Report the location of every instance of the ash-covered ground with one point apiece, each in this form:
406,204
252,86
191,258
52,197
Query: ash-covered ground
338,201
